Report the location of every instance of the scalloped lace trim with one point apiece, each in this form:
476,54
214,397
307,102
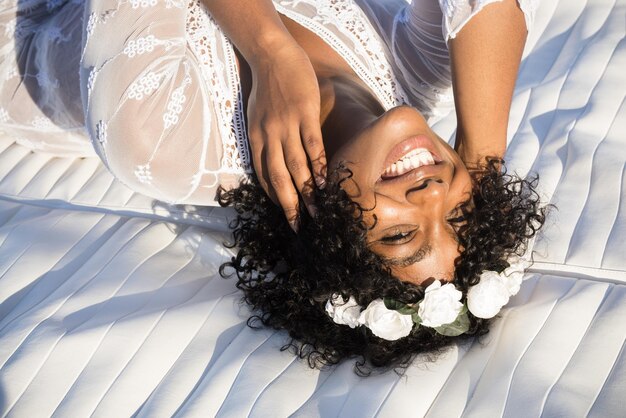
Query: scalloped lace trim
367,58
217,58
220,70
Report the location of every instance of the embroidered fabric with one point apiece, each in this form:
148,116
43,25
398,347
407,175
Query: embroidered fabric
346,29
160,110
151,86
207,40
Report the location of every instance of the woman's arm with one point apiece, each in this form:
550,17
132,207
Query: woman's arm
284,105
253,26
485,57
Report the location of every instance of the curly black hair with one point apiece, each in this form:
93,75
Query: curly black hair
287,278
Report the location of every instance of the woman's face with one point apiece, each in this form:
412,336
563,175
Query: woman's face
415,182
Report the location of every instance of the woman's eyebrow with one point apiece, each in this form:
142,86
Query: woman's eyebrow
416,257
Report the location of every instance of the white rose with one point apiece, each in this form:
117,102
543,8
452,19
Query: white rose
514,274
342,312
518,263
386,323
441,305
489,296
512,279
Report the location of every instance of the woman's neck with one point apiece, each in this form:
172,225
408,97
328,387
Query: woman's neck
347,106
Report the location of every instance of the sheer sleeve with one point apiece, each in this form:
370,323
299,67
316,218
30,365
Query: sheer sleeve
148,109
458,12
420,33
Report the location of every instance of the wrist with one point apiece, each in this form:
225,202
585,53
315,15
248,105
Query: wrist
268,46
474,156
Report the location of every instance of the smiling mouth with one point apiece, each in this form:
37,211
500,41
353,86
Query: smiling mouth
414,159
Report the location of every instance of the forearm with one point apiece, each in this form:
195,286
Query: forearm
254,27
485,57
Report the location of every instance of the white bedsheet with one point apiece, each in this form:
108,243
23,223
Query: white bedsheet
111,305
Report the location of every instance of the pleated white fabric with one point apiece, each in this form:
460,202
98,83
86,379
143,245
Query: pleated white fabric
107,315
111,305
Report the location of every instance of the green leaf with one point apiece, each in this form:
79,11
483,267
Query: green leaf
390,303
463,309
458,327
394,305
416,318
406,310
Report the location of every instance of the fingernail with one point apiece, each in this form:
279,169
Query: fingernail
294,224
321,182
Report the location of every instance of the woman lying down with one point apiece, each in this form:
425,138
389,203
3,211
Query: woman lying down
359,230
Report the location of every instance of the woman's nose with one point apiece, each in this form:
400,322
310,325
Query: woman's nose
431,193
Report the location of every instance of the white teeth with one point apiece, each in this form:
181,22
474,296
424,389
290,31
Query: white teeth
425,158
410,161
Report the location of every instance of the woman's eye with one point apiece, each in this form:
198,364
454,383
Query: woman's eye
456,216
398,237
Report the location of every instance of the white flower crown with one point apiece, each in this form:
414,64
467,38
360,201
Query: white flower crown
440,309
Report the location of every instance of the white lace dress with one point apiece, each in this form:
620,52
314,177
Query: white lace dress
152,87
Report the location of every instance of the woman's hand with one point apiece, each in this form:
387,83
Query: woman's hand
284,105
284,128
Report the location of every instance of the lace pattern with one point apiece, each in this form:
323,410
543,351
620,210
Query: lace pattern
161,99
365,53
4,116
101,141
207,42
176,102
145,86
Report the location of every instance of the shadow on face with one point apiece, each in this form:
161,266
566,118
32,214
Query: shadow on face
413,184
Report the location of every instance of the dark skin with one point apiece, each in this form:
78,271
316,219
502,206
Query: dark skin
284,68
412,228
